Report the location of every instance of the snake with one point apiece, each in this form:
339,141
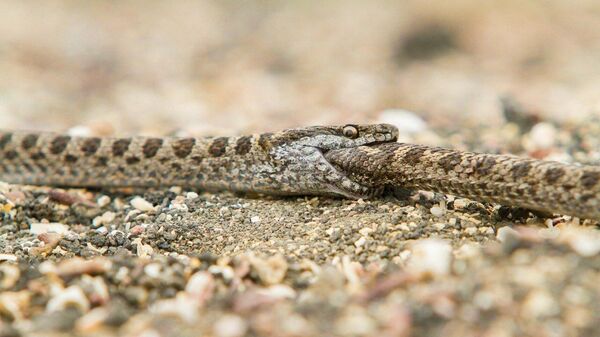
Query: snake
352,161
288,162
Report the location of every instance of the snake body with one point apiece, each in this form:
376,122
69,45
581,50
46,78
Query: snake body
354,161
288,162
546,186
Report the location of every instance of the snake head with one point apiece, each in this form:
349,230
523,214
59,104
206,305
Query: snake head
299,165
327,138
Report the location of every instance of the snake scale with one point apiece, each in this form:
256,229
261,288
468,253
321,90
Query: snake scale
354,161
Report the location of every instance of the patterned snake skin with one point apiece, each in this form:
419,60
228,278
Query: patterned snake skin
289,162
535,184
353,161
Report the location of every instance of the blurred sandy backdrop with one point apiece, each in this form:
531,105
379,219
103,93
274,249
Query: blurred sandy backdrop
152,67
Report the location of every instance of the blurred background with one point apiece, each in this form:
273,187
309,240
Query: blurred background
229,67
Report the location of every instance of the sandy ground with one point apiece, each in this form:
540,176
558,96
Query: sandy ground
504,77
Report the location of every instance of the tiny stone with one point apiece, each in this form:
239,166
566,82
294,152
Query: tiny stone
505,232
360,242
141,204
439,226
104,219
431,257
230,326
191,195
461,203
437,211
103,201
255,219
471,230
53,227
542,136
365,231
406,121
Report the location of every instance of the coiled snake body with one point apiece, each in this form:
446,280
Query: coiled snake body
354,161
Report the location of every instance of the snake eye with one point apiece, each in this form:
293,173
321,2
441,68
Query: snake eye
350,131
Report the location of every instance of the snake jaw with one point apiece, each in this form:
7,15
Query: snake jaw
299,156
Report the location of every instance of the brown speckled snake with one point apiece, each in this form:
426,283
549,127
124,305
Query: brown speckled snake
352,160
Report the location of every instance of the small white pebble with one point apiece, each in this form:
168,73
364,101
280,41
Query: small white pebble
71,296
80,131
539,304
103,201
141,204
505,232
437,211
360,242
191,195
255,219
104,219
53,227
153,270
175,189
439,226
365,231
8,257
406,121
230,326
461,203
542,136
431,257
471,230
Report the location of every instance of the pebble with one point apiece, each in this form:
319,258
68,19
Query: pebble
504,233
52,227
191,195
230,326
542,136
271,270
10,274
437,211
8,257
360,242
103,201
141,204
142,250
105,219
461,203
406,121
201,286
471,231
92,321
539,304
13,305
585,243
430,257
71,296
255,219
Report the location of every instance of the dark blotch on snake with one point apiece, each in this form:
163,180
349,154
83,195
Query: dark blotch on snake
59,144
151,147
29,141
521,169
69,158
590,179
120,146
243,145
90,146
132,160
5,139
553,174
218,146
183,147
